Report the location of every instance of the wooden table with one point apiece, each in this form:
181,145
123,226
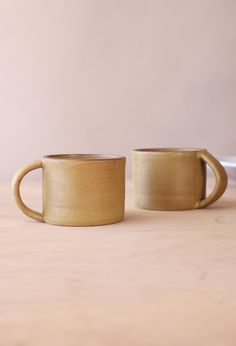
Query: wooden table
155,279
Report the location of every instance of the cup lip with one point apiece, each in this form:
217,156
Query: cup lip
83,157
168,150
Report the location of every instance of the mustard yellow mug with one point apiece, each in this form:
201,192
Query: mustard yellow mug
175,178
78,190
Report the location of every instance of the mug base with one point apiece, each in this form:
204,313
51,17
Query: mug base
164,208
87,224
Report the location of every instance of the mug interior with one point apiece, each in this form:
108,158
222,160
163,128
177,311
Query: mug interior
168,150
83,157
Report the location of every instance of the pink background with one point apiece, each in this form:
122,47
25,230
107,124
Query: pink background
107,76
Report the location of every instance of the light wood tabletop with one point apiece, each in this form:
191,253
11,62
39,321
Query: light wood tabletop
155,279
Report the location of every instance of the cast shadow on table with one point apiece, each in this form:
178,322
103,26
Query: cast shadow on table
144,217
225,203
130,218
148,215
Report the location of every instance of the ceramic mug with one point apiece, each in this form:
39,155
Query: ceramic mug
78,190
175,178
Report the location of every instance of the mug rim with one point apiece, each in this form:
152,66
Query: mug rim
168,150
83,157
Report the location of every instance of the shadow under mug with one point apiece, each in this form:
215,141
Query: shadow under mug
78,189
175,178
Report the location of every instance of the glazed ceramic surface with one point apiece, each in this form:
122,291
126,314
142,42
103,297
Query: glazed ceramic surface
175,179
78,190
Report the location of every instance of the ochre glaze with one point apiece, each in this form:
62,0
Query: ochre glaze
78,190
175,179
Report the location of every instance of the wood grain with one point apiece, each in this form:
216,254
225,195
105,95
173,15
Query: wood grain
157,278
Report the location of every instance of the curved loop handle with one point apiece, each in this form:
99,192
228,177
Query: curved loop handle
16,189
221,179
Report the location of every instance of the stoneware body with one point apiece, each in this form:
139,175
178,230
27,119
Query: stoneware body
78,190
175,179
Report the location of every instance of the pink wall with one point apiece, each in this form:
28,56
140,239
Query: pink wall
107,76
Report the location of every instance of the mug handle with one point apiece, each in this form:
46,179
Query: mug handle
221,179
16,189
